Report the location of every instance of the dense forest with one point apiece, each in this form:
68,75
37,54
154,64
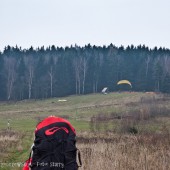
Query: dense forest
56,71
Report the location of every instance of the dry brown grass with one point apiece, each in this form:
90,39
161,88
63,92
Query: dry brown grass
9,140
126,152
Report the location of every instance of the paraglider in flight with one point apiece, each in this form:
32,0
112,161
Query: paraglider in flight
124,82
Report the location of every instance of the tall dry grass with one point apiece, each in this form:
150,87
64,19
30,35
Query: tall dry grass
9,141
126,152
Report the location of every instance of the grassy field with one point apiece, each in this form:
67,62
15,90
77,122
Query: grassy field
115,131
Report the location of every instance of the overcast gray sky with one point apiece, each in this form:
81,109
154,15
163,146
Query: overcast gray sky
98,22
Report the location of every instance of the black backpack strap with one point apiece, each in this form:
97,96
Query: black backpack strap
79,158
30,156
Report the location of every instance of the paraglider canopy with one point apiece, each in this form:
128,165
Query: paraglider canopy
124,82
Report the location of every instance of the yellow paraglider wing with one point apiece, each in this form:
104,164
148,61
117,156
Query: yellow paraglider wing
124,82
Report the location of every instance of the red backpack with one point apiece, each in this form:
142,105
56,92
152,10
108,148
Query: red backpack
54,147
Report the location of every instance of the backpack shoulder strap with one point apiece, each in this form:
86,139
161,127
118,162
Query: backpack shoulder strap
79,158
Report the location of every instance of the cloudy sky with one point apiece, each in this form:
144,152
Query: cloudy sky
98,22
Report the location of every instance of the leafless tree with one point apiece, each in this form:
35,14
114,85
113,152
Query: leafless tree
80,68
10,70
157,71
166,64
50,72
98,63
147,61
84,70
30,64
77,69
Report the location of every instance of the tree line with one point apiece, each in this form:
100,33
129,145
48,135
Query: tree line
56,71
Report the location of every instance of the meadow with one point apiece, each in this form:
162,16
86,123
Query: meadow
124,131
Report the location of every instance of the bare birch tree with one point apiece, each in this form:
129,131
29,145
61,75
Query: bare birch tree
51,74
166,65
52,61
77,70
147,61
30,65
83,64
10,70
98,64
